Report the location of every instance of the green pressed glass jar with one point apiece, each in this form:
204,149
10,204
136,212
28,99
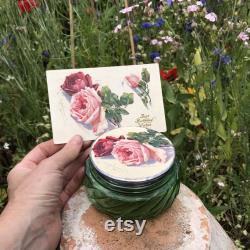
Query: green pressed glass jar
132,173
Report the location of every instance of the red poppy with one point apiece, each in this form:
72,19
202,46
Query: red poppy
27,5
170,75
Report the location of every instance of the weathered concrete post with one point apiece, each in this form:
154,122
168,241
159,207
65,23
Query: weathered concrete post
187,225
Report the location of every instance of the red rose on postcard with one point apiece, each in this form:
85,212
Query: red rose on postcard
130,152
75,82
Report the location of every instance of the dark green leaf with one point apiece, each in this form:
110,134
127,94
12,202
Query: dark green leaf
151,137
169,94
184,97
106,91
115,99
145,75
221,132
173,113
123,111
126,99
113,116
179,138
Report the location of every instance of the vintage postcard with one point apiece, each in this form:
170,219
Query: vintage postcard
92,101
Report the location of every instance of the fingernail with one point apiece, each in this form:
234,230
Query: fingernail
76,140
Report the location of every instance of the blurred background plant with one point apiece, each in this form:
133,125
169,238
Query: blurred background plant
202,48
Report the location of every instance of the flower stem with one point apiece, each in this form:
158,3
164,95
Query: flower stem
132,44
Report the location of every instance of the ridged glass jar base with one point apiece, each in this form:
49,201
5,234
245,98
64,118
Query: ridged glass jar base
132,200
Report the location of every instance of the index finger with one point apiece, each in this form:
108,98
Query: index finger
43,151
46,149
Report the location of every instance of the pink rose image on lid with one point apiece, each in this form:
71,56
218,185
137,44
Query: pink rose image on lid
132,154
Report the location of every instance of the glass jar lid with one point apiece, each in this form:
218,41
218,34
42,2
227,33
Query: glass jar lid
132,154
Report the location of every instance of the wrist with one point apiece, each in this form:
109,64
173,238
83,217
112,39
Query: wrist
13,227
19,229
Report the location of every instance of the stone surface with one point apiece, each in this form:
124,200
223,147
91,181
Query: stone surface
187,225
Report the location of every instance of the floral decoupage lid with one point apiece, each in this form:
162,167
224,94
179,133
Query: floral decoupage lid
132,154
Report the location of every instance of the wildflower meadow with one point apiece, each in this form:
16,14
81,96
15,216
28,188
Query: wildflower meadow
203,50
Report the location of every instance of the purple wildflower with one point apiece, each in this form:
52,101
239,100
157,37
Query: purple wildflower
212,17
169,2
243,36
159,22
147,25
226,59
213,83
217,51
46,53
6,39
188,27
136,39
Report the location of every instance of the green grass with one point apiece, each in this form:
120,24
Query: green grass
209,124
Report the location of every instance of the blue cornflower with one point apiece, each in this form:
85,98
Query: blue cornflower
188,27
6,39
154,54
46,58
213,83
217,51
136,39
226,59
159,22
46,54
223,59
203,2
147,25
169,2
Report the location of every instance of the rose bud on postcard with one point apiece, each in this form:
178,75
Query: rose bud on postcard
75,82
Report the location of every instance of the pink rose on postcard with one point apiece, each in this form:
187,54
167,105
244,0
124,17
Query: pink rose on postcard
133,81
130,152
75,82
100,124
140,85
86,108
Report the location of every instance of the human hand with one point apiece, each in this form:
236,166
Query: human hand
38,188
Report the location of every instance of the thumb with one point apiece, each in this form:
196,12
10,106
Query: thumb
67,154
